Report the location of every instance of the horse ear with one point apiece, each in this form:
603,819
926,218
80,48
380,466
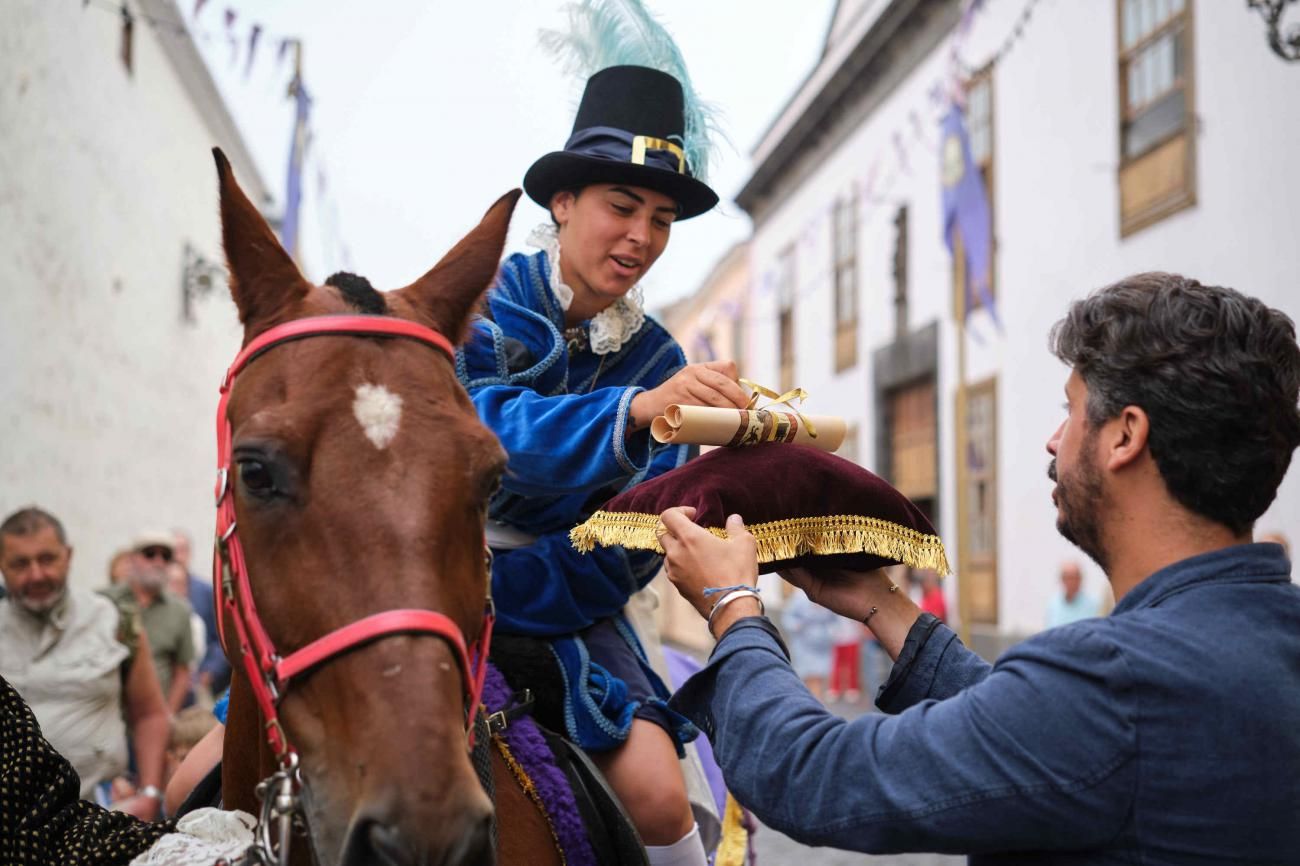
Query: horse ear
263,278
449,293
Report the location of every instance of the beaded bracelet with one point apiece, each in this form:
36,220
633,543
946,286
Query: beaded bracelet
716,590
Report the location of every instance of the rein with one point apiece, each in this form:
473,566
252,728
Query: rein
271,674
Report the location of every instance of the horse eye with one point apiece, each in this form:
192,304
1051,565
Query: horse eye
255,477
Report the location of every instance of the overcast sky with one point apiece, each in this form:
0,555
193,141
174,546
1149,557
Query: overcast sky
425,112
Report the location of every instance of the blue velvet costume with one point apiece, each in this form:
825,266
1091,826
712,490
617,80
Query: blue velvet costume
562,417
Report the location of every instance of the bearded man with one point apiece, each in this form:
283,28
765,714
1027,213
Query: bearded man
1164,733
79,661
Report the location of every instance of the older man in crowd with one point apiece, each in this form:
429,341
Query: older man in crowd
79,661
1071,604
165,618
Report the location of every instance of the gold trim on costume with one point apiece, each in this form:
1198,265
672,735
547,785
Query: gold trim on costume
780,539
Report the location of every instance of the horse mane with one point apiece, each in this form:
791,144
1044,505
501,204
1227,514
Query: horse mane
358,292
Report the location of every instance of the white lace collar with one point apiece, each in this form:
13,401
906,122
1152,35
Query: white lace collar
612,326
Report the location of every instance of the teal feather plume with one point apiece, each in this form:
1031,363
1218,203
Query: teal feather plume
604,33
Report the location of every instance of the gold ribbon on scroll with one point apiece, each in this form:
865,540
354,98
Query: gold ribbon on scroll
778,400
779,420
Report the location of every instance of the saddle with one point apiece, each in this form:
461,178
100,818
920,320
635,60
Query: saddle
529,668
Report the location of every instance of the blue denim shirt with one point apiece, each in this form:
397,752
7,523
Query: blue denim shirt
1168,732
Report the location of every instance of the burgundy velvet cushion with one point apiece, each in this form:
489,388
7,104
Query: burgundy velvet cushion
799,502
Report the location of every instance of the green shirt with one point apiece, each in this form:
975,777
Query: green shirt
167,624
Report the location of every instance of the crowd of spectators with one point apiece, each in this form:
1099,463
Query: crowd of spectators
121,677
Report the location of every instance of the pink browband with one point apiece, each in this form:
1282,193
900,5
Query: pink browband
268,673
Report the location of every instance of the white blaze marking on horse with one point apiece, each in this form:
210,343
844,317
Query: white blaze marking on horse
379,411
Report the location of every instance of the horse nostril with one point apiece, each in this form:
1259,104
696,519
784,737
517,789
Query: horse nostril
373,843
370,843
474,848
388,847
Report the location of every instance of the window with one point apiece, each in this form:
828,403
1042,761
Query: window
979,129
979,540
844,251
900,272
785,319
1157,158
914,442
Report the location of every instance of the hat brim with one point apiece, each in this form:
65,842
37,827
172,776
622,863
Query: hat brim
561,170
153,539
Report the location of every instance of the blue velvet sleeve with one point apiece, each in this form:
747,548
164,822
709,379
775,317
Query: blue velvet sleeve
221,709
1037,753
548,588
566,443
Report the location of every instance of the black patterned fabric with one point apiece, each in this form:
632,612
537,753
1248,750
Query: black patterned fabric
42,822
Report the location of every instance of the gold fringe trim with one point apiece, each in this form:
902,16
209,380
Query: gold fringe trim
734,847
526,782
780,539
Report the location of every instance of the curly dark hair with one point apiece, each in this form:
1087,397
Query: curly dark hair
1217,373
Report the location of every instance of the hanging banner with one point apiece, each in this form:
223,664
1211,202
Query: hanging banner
966,209
297,156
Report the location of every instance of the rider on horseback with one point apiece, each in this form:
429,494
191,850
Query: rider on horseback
568,371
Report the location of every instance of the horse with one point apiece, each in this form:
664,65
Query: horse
356,491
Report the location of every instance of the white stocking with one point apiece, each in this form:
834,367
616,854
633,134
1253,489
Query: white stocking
686,851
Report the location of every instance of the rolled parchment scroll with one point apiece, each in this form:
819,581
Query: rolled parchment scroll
706,425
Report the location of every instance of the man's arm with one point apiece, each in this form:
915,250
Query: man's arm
1039,755
698,561
150,727
1036,753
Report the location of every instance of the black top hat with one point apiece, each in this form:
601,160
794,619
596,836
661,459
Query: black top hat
629,130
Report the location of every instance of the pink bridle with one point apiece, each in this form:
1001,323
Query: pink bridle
268,673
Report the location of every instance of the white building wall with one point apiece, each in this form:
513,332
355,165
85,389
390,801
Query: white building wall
108,396
1057,223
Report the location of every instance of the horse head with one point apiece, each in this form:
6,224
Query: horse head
360,477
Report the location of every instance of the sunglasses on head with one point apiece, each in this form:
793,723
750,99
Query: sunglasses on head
156,552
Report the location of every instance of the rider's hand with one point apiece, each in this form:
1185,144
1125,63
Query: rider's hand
712,383
698,560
